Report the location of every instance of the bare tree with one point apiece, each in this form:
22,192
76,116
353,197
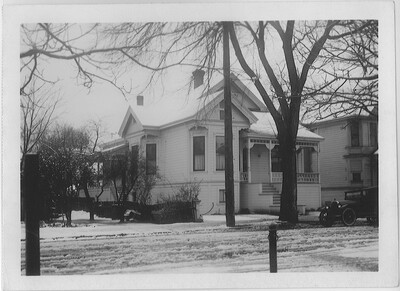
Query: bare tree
87,173
129,174
37,109
66,165
302,44
349,66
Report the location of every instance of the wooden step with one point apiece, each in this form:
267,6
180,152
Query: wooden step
269,189
276,199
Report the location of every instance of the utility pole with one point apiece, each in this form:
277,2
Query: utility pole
229,178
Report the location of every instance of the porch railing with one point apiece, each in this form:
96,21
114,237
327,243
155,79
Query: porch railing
306,178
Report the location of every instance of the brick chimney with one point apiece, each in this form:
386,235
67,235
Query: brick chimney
198,78
140,100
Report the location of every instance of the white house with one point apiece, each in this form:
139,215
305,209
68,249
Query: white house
183,135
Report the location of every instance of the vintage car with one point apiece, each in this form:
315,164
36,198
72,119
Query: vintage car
361,203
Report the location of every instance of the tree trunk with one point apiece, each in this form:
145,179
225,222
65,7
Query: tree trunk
288,209
122,207
67,208
229,178
89,203
68,214
121,212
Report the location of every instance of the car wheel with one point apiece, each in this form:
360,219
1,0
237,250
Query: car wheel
325,219
349,216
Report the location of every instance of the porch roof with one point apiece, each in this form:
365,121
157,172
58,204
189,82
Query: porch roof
114,145
265,126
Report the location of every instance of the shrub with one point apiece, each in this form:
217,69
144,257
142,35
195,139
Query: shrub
179,207
188,191
174,211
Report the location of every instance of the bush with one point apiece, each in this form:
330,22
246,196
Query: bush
174,211
179,207
188,191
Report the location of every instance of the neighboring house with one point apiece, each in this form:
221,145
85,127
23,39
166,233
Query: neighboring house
349,154
183,135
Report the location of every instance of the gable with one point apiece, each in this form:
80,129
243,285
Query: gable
217,112
240,109
246,97
130,124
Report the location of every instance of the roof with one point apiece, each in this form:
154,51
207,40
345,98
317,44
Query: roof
265,126
113,145
171,109
333,120
180,105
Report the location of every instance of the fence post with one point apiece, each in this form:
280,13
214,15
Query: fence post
32,214
273,262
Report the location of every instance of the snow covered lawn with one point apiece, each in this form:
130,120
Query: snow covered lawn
108,247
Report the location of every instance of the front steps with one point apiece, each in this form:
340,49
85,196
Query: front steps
268,189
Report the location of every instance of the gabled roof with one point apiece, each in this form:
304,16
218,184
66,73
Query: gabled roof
129,117
182,106
265,126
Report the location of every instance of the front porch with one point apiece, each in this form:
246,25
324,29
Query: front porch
261,173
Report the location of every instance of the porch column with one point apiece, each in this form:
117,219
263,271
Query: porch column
270,162
319,174
248,161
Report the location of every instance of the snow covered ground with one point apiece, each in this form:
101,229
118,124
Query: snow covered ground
109,247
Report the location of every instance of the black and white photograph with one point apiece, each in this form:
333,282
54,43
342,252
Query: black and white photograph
200,145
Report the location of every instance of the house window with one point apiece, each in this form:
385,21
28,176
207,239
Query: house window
373,134
135,149
245,160
221,195
355,170
355,133
307,160
276,160
220,153
151,158
222,110
356,177
199,153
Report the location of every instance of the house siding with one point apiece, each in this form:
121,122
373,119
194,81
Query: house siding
175,162
309,195
174,152
336,155
251,198
333,168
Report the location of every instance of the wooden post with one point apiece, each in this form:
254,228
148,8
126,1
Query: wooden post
229,178
32,214
273,261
